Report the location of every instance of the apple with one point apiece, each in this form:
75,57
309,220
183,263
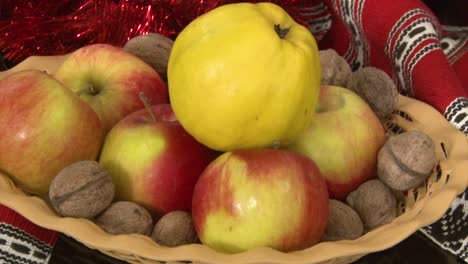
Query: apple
343,140
110,80
44,128
153,161
260,198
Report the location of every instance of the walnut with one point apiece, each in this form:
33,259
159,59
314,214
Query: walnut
374,202
335,69
82,189
376,88
154,49
175,229
406,160
343,222
124,217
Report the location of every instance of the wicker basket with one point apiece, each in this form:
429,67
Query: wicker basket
419,207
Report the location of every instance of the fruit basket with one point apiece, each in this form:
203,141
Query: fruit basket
417,207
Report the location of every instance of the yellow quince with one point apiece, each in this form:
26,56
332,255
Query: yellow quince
244,76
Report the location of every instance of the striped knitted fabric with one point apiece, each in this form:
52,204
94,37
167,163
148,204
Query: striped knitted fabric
23,242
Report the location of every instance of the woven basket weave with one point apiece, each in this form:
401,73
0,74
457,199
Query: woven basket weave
419,207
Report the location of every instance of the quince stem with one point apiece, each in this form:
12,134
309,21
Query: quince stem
145,101
282,32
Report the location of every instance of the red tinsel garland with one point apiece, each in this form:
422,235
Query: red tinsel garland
44,27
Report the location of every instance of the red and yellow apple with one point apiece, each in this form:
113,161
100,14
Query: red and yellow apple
110,80
343,140
260,198
153,161
44,127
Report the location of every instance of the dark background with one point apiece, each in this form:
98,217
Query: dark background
415,249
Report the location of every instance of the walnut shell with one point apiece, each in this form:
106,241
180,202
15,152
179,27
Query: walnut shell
125,217
175,229
82,189
335,69
406,160
374,202
343,222
376,88
154,49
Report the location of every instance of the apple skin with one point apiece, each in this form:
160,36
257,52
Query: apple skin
44,128
343,140
154,163
260,198
117,78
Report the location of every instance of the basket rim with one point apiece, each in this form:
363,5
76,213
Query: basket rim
146,248
425,212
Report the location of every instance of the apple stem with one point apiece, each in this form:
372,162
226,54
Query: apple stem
145,101
91,89
276,144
